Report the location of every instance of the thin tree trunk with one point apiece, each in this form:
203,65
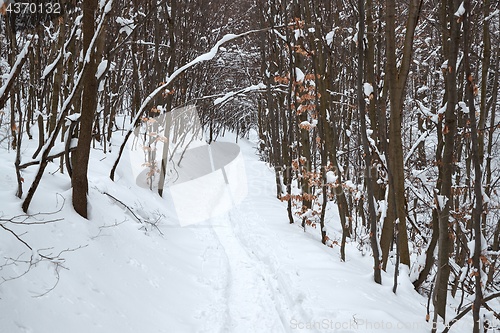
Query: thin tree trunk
450,48
89,104
477,211
397,82
366,149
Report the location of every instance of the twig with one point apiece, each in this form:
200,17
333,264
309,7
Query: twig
138,218
16,236
124,205
102,227
24,217
55,284
14,262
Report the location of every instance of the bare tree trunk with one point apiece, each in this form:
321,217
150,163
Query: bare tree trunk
397,83
56,87
450,48
372,216
485,66
477,154
496,237
171,66
89,104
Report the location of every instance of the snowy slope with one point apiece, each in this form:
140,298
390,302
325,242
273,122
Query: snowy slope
247,270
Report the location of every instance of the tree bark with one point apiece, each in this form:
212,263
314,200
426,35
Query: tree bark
366,148
447,165
477,146
79,179
396,80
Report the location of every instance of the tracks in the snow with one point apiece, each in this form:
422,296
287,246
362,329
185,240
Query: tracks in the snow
251,298
260,295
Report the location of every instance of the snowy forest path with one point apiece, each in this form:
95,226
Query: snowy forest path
250,290
257,297
272,277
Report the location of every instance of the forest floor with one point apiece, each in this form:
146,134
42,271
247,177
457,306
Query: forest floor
245,270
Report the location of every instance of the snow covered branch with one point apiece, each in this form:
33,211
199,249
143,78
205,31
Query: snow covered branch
14,72
233,94
201,58
64,110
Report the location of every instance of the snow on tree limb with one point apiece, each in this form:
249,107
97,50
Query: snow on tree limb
460,11
68,101
232,94
50,68
15,70
201,58
64,111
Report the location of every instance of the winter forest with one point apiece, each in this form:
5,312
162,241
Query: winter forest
369,143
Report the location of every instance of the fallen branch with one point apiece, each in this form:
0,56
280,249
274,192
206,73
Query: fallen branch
36,254
138,218
19,238
58,262
23,219
106,226
14,72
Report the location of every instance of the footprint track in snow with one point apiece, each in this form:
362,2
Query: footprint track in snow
251,305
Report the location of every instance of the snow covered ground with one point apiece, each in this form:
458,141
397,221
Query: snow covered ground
246,270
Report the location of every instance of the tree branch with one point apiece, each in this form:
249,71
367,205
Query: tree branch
14,72
138,218
467,309
201,58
